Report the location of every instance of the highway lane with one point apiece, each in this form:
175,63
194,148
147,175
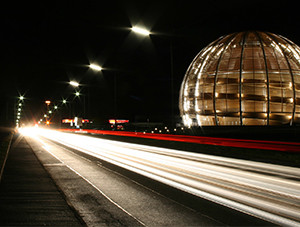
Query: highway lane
267,191
103,197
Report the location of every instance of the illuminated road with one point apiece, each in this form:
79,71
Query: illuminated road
269,192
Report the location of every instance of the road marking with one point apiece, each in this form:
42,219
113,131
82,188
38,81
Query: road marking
54,164
89,182
102,193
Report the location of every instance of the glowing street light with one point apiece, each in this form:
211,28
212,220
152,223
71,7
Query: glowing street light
74,83
64,101
140,30
95,67
77,93
21,97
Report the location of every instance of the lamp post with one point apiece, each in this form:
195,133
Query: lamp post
75,84
18,110
145,32
48,102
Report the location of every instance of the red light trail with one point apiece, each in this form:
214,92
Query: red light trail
227,142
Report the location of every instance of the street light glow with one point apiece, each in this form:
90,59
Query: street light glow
95,67
21,97
74,83
77,93
140,30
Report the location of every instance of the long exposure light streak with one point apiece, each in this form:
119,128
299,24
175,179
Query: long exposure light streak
228,142
267,191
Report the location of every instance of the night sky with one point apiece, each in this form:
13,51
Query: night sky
45,45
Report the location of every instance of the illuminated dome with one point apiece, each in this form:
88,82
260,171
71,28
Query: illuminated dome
245,78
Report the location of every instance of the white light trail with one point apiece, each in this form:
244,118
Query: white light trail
270,192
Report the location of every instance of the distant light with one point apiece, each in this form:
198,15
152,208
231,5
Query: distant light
141,31
45,115
77,93
95,67
118,121
55,107
48,102
21,97
20,104
48,122
50,111
64,101
74,83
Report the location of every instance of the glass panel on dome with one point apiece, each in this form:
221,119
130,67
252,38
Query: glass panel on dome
215,74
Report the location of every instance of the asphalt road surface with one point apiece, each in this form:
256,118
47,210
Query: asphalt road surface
103,196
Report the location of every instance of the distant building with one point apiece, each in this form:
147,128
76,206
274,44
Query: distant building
245,78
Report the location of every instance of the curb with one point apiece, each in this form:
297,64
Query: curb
6,155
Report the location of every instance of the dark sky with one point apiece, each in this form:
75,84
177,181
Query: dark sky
45,45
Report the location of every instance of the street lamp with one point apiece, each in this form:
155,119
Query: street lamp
74,83
95,67
146,32
140,30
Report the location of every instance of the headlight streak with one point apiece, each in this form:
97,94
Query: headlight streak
254,188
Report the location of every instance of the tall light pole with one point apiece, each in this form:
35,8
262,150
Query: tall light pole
97,68
145,32
48,102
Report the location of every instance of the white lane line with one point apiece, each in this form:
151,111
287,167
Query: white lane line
108,198
54,164
94,186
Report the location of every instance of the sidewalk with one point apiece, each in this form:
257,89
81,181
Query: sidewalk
28,196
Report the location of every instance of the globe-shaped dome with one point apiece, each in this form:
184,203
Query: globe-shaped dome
245,78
